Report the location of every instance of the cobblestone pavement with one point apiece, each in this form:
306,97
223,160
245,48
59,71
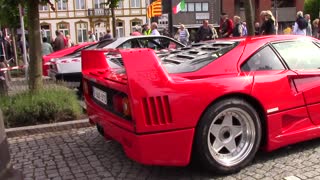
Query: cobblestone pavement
84,154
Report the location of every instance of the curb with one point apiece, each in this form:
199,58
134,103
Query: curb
44,128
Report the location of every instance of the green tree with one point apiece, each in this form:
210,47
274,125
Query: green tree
9,9
113,4
312,7
9,16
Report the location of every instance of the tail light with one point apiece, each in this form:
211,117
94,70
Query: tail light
85,87
121,105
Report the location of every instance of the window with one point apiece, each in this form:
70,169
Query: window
283,3
135,3
198,7
191,7
64,27
62,5
80,4
205,6
120,29
97,4
130,44
120,5
299,55
263,60
45,31
82,32
43,8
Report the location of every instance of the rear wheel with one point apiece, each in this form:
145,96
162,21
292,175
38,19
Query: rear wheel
228,136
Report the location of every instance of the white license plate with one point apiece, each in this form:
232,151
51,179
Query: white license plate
100,95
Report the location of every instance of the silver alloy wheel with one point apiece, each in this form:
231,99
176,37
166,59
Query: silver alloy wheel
231,136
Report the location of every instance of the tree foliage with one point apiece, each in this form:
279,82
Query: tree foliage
113,4
9,16
312,7
9,13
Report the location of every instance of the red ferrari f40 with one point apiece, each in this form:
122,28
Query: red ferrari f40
216,102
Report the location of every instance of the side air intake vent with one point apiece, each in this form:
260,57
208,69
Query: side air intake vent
157,110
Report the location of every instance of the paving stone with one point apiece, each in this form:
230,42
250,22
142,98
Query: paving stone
84,154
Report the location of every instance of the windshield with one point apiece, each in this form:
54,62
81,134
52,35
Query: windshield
98,45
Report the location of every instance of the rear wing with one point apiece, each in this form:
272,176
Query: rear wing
142,67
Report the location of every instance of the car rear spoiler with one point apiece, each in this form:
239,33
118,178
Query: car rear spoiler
143,68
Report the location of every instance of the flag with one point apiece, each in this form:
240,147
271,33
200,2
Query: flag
154,9
179,7
157,8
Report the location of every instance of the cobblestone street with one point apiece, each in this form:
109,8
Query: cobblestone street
84,154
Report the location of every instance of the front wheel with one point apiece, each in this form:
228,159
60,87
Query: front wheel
228,136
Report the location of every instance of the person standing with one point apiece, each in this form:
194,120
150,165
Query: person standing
237,30
69,41
309,27
226,26
183,35
107,35
146,30
136,31
46,47
315,28
92,37
154,29
244,29
204,32
269,24
58,43
257,28
300,26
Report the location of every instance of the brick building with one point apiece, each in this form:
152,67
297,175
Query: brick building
286,9
197,10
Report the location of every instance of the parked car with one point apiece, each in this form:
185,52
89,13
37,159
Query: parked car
218,101
68,68
46,59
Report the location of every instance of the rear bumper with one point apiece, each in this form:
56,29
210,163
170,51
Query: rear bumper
171,148
69,77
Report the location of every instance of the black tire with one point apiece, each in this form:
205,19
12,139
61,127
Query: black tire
214,128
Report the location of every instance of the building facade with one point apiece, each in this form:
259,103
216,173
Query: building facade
284,10
77,17
198,10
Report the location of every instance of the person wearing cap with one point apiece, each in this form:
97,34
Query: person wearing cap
146,29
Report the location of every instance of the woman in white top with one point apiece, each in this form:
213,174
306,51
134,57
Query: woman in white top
183,35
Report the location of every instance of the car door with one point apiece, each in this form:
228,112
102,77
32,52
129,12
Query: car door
273,83
303,57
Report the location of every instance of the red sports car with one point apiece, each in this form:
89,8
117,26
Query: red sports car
218,101
46,59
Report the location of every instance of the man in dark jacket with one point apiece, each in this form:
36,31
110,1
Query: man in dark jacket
226,26
204,32
58,42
